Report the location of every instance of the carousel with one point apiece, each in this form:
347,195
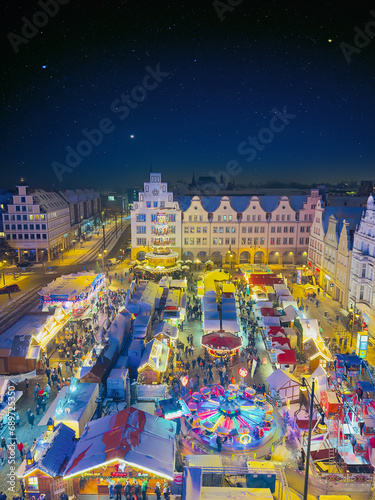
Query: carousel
240,417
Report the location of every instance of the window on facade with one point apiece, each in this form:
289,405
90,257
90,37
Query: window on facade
19,227
273,229
256,241
279,229
224,217
248,218
44,236
291,241
32,236
250,229
186,229
214,241
229,217
204,241
220,241
173,229
272,241
221,229
285,241
18,217
254,217
227,241
307,241
140,217
20,236
24,217
195,218
244,229
141,229
33,483
361,292
278,241
261,241
18,208
256,229
204,229
25,227
243,241
192,229
301,240
291,229
162,203
283,217
186,241
249,241
14,236
233,229
363,271
233,241
191,241
215,230
262,229
285,229
227,229
148,204
190,218
199,229
198,241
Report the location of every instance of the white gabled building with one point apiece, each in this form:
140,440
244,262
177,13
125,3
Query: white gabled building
37,224
361,288
154,197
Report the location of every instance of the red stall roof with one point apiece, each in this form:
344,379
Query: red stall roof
221,341
281,341
273,330
265,279
288,357
267,311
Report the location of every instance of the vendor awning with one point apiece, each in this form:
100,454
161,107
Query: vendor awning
288,357
130,436
221,341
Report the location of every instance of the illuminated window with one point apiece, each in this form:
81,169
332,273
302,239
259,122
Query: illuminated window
33,483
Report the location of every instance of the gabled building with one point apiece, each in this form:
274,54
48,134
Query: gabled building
155,197
361,287
37,224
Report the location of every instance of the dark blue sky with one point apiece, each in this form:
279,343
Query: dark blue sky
226,78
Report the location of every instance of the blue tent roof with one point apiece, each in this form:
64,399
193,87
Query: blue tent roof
348,358
366,386
60,450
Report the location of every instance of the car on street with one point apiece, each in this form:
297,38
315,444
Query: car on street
9,289
25,264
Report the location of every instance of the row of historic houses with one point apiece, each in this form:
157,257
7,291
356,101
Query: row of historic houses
235,229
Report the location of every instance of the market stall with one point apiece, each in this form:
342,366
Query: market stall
129,444
73,292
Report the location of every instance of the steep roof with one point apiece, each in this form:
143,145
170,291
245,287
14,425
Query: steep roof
279,378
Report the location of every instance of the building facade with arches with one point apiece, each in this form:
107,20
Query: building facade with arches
247,229
227,229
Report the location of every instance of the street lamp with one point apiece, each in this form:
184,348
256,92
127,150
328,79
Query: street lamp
4,262
102,256
304,387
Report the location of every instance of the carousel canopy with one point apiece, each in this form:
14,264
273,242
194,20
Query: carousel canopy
133,436
224,341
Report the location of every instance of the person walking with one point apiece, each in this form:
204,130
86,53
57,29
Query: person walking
137,490
20,448
2,455
144,488
158,491
166,491
118,488
111,488
31,419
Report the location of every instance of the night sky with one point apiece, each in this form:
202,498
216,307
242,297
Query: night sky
220,82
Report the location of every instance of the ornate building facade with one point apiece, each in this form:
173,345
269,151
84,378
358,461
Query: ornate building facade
361,287
232,229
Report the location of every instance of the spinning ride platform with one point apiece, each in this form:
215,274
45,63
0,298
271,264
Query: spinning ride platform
240,416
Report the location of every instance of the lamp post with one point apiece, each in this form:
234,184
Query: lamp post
306,486
4,262
102,256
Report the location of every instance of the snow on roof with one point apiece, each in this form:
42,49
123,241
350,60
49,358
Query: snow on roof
70,284
279,378
132,436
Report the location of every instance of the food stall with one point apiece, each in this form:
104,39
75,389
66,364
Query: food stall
130,444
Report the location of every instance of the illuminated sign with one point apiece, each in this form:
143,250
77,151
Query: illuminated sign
243,372
299,276
362,343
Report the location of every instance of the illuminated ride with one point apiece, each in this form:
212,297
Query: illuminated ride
242,418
